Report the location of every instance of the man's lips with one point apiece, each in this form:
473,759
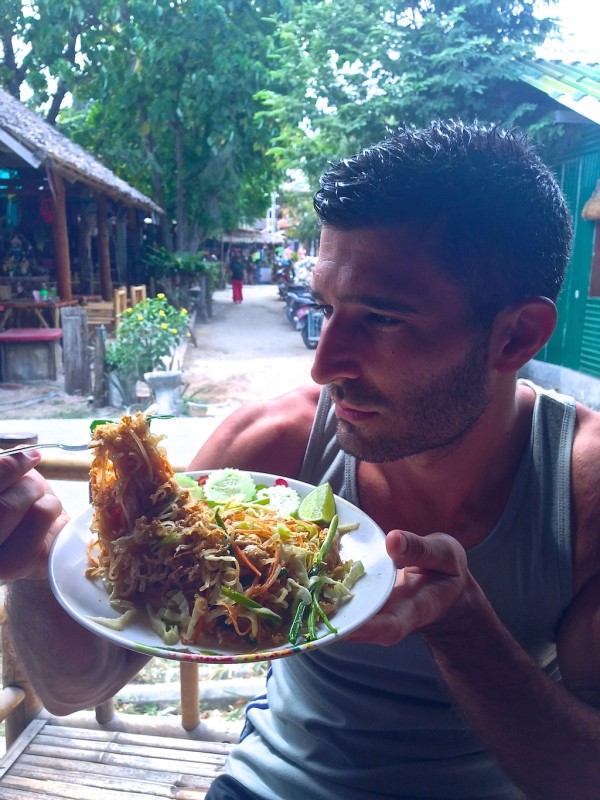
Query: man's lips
349,414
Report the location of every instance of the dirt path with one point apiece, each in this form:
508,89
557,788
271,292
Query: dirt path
245,352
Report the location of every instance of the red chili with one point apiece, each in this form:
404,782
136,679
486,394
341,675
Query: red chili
281,482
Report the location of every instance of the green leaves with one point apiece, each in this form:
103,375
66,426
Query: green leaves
147,337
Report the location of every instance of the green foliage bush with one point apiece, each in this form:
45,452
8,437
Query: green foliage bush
176,273
147,337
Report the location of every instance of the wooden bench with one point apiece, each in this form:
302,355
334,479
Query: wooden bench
30,354
50,761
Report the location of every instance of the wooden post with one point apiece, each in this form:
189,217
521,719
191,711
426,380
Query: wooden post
201,304
190,695
121,247
76,355
60,234
106,287
100,387
105,711
84,250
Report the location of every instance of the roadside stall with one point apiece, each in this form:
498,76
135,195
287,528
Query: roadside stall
257,246
69,227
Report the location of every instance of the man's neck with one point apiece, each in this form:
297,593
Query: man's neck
462,491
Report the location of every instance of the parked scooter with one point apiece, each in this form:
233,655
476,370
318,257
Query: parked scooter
309,321
296,298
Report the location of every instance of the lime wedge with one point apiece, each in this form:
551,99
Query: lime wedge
318,505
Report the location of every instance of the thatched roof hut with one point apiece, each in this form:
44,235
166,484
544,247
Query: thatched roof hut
35,159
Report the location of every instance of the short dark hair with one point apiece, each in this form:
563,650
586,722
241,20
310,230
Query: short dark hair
505,229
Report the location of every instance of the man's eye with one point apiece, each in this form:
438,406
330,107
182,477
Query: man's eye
327,310
383,321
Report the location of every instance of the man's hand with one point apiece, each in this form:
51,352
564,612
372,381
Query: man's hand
431,581
30,517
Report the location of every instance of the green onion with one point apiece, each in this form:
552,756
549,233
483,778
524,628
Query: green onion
315,606
248,602
326,546
297,622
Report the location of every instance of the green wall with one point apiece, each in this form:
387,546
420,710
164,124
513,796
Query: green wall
576,341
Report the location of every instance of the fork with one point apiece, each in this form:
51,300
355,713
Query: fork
23,447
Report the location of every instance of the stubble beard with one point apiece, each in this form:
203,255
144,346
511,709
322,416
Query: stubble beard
432,417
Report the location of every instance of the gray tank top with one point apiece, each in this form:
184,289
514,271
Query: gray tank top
355,722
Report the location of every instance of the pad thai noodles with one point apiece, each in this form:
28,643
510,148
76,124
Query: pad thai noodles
207,571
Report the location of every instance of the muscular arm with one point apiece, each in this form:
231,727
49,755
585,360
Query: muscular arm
267,437
546,740
69,667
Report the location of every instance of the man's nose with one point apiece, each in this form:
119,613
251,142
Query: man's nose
337,355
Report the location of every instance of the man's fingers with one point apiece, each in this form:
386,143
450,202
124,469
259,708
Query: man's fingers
15,502
437,552
14,467
25,551
432,571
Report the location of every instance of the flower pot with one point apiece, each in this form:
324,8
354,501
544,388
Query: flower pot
121,389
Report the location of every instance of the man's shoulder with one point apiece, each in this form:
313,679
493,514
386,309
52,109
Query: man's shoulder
586,442
585,471
270,436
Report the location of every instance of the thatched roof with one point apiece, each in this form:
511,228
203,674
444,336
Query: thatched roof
37,143
591,209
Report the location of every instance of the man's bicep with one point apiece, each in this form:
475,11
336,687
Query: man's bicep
268,437
578,644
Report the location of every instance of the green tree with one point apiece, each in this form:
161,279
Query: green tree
163,91
351,70
169,100
43,44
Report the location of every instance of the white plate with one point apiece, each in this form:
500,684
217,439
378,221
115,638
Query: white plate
84,598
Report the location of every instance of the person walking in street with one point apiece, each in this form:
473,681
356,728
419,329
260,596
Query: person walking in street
236,271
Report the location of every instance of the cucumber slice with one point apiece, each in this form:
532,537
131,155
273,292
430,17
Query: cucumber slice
229,484
191,484
282,499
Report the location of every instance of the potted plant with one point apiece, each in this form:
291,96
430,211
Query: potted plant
145,342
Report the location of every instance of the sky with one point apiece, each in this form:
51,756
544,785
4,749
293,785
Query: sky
580,26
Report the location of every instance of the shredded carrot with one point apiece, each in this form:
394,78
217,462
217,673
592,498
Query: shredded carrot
241,556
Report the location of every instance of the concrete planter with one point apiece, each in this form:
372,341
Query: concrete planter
166,388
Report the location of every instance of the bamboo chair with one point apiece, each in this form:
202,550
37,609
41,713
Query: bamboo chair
137,294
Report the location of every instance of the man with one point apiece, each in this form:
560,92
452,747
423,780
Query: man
442,253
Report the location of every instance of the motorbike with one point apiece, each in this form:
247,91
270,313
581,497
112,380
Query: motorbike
296,298
309,321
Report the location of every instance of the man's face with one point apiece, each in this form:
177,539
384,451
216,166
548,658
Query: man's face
406,369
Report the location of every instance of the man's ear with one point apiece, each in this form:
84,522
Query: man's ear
520,331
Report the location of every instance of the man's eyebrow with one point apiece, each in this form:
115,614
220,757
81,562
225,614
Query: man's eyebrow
372,301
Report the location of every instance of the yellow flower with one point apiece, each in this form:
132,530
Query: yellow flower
140,317
174,330
164,326
129,310
183,311
189,335
160,296
161,313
